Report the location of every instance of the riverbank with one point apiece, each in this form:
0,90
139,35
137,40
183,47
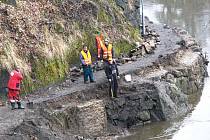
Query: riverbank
161,82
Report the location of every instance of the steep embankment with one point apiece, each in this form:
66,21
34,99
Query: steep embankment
160,87
45,37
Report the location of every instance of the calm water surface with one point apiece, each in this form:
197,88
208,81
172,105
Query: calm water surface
194,16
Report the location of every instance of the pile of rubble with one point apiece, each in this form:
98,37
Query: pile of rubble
147,46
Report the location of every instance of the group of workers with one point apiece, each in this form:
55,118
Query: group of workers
105,53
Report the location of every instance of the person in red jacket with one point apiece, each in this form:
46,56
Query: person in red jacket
14,88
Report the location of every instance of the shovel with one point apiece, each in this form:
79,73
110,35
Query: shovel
29,104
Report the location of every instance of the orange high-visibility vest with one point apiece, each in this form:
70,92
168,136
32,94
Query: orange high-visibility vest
107,52
87,57
98,43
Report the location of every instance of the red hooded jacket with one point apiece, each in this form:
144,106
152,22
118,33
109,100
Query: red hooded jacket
15,79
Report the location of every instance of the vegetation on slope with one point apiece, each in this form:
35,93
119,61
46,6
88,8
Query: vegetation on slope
45,37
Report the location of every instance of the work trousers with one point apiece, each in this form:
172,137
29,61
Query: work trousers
13,95
88,73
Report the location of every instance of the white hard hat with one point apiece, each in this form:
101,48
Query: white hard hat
137,43
106,40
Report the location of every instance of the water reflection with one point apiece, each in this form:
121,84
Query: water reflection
194,16
197,126
155,131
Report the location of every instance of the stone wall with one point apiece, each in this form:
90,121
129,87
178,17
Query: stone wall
86,119
140,105
161,92
92,118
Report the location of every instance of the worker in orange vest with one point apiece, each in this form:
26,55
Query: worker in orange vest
85,58
14,88
99,40
107,54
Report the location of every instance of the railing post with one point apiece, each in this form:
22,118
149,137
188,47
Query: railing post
141,13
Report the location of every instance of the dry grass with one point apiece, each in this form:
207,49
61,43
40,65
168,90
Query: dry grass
10,58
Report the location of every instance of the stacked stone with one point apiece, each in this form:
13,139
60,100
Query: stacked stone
91,118
151,40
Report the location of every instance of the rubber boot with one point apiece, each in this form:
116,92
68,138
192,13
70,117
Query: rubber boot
13,106
20,106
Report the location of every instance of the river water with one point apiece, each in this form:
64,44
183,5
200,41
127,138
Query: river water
193,16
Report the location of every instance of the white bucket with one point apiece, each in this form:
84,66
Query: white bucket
128,78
